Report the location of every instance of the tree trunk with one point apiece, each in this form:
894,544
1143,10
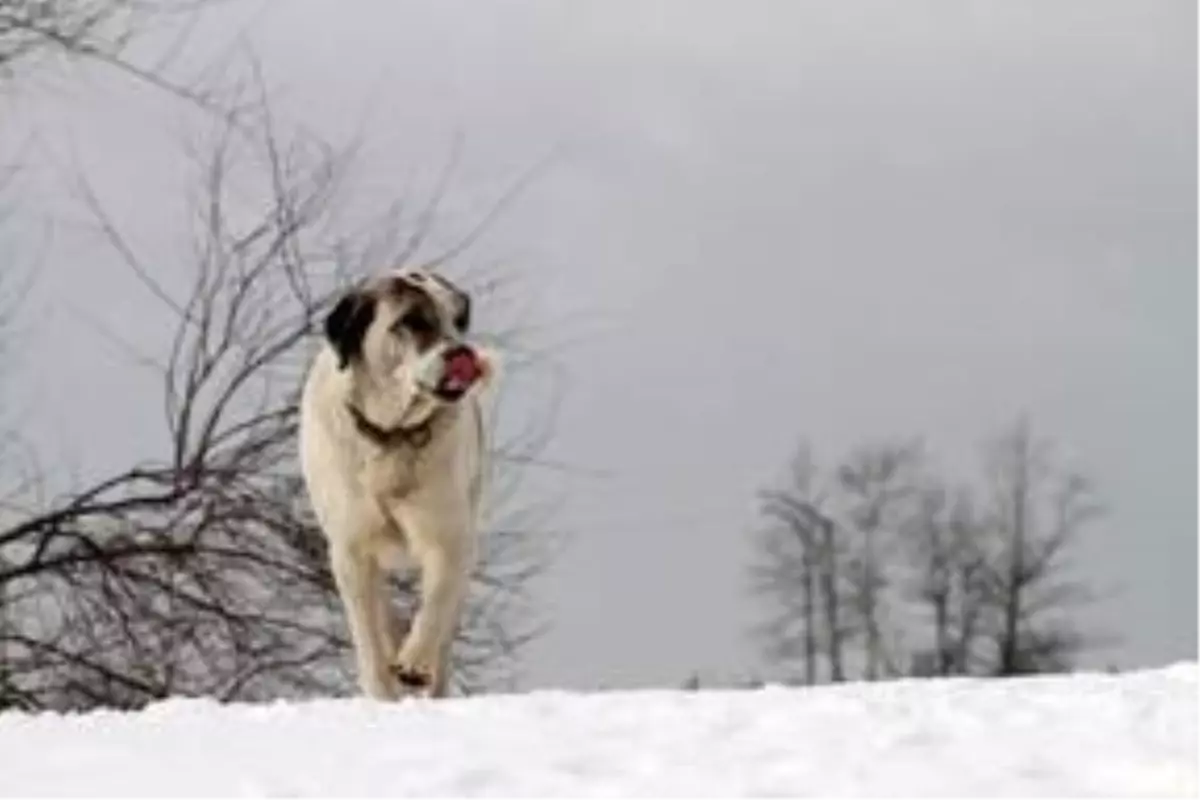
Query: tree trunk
829,588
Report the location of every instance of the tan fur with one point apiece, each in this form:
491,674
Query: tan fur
382,508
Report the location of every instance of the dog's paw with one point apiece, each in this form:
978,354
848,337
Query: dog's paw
415,668
413,672
411,677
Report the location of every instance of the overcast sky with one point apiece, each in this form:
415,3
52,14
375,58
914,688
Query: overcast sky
766,221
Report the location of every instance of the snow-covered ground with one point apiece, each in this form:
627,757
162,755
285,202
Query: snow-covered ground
1131,734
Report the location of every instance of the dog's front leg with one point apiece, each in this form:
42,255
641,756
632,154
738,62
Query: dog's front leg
360,586
445,555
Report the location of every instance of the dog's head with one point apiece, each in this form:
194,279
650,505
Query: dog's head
403,335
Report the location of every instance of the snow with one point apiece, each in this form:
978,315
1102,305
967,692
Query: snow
1082,734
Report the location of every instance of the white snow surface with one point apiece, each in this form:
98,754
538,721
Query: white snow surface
1084,734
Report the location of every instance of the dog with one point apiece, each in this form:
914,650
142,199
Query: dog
392,450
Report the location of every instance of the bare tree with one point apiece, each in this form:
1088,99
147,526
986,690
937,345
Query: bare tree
18,463
1037,511
99,31
826,559
800,572
790,570
945,541
202,572
875,481
938,581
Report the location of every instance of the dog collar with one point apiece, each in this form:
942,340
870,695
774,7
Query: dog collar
417,436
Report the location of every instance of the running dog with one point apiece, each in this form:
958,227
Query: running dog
392,449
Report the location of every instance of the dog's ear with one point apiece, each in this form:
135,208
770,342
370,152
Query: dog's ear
346,325
461,305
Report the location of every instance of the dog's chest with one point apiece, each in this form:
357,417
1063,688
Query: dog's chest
388,475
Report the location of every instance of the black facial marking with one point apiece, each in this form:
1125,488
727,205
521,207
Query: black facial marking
462,315
419,322
347,324
462,320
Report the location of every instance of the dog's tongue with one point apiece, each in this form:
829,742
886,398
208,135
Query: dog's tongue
462,369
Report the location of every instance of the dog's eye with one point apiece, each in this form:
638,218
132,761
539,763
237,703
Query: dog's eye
418,323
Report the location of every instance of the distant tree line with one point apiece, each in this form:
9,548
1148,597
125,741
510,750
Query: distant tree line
877,567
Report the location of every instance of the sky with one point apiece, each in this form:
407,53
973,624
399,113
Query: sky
761,222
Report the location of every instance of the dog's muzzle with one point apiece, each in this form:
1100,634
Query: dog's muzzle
450,371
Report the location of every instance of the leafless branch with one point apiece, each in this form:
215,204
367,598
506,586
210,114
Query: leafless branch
100,31
201,571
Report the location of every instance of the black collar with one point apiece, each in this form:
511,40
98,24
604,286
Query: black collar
416,437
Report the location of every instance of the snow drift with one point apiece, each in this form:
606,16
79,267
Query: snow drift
1084,734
